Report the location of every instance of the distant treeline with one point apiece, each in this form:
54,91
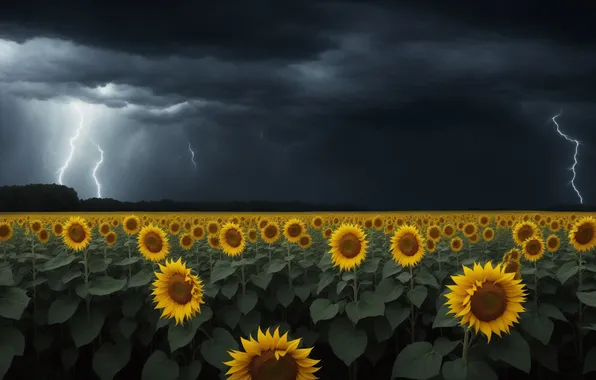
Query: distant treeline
58,198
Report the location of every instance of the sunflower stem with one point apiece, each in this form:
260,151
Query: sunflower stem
412,308
86,279
464,355
243,274
129,259
289,266
536,286
355,286
580,308
34,268
105,259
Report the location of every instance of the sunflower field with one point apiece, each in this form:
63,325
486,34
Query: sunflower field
451,296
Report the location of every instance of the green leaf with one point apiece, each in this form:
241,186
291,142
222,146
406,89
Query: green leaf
246,302
347,342
566,271
262,280
110,359
370,265
221,272
141,278
62,309
590,361
417,295
302,291
396,314
382,329
443,346
127,261
275,266
480,370
131,304
390,268
230,287
160,367
13,302
105,285
417,361
455,370
587,298
6,278
404,277
13,338
181,335
84,329
551,311
6,355
442,319
215,350
325,280
250,322
71,275
69,357
63,259
368,305
285,294
538,326
425,278
230,315
513,350
323,310
389,290
191,371
127,326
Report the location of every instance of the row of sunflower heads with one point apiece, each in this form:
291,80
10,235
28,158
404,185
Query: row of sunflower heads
488,298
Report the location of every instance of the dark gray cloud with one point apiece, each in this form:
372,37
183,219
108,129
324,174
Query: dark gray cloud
386,104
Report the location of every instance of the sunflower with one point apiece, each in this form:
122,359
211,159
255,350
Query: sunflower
214,242
186,241
36,226
469,229
43,236
555,226
456,244
484,220
514,254
407,246
5,231
110,238
317,222
583,234
153,243
486,298
305,241
76,234
252,235
213,227
293,229
378,223
270,233
433,233
389,228
488,234
105,229
198,233
131,225
271,357
348,246
177,291
552,243
232,240
263,223
448,231
523,231
57,229
533,248
474,238
115,223
513,266
431,245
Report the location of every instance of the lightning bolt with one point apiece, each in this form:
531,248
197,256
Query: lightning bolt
554,119
73,140
192,157
97,165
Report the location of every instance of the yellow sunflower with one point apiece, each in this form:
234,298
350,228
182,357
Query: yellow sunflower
555,226
469,229
110,238
533,248
456,244
433,233
305,241
76,234
348,246
186,241
131,225
583,234
232,240
523,231
43,236
198,233
486,299
214,242
552,243
271,356
327,233
36,225
513,266
270,233
293,229
213,227
153,243
448,231
252,235
57,229
104,229
431,245
5,231
488,234
407,246
177,291
317,222
484,220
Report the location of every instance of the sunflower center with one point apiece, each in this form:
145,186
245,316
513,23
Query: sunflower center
153,242
43,234
349,246
525,233
455,244
4,231
212,228
131,224
448,230
434,233
105,229
469,229
186,240
294,230
408,245
552,243
489,302
533,247
111,238
76,232
304,240
267,367
584,234
233,238
179,290
174,227
252,235
270,232
36,226
58,228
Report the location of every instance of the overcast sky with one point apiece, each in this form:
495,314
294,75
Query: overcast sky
392,105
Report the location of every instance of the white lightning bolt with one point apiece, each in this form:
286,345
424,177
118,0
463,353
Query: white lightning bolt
554,119
97,165
192,157
73,139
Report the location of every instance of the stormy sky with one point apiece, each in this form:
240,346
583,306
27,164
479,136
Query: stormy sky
387,105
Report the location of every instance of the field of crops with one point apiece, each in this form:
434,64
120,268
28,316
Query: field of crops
297,296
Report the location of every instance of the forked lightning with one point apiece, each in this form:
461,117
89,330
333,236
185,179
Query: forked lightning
554,119
97,165
73,140
192,157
